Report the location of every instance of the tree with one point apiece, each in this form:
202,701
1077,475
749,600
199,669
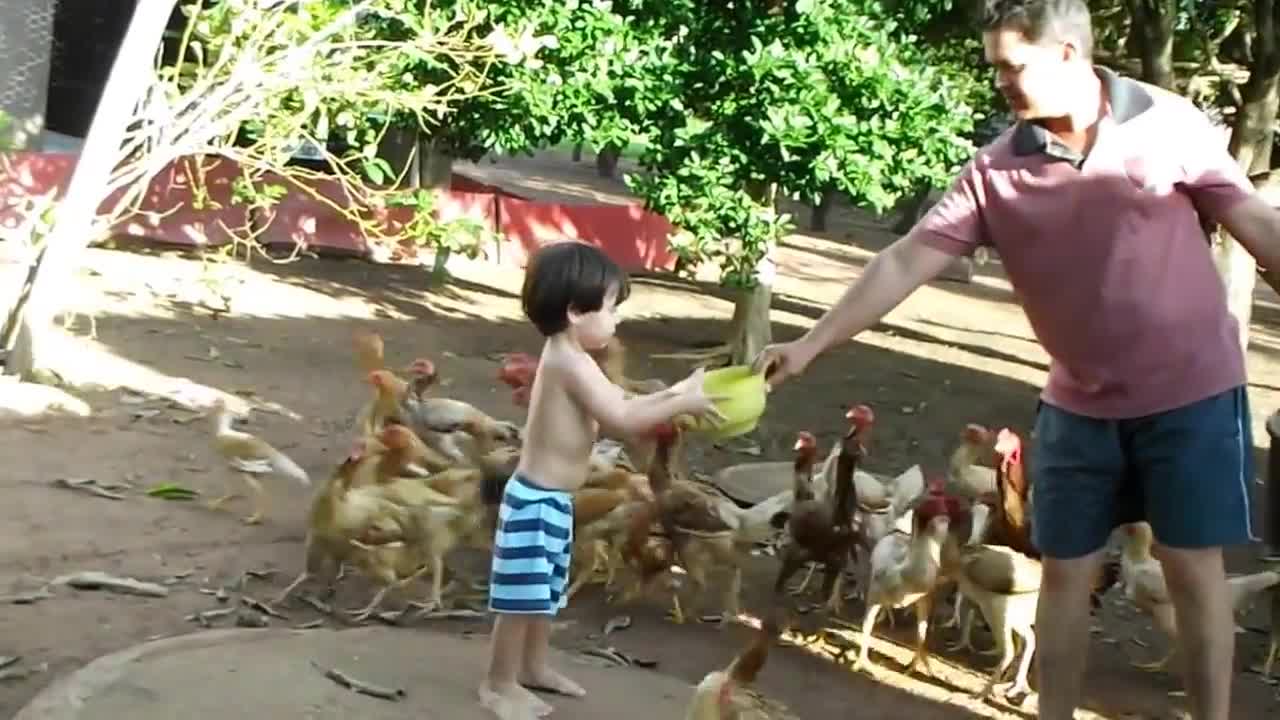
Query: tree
754,100
1252,140
249,80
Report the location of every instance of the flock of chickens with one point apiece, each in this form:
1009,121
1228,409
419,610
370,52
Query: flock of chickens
426,474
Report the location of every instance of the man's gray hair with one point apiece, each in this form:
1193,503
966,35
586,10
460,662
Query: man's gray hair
1040,20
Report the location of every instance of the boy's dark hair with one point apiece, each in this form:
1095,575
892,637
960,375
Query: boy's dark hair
566,276
1038,20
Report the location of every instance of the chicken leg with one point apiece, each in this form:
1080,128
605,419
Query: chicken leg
1155,665
804,584
1004,633
231,494
259,500
1021,685
868,622
362,614
921,660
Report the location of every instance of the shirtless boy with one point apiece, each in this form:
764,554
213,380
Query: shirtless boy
571,293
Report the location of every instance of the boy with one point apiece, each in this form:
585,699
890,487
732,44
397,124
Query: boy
571,292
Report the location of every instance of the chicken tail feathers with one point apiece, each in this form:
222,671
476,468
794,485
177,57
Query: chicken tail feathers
747,666
285,465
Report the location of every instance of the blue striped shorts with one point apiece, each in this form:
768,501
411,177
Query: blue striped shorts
531,549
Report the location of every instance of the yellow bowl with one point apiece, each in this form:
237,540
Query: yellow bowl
743,406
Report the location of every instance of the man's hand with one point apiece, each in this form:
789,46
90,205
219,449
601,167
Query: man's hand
784,360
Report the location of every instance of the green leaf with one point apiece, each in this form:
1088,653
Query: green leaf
170,491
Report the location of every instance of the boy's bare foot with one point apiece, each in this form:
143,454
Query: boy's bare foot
540,707
511,703
548,680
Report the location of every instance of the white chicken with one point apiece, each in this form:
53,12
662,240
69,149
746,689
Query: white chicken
1144,585
249,456
904,571
1005,585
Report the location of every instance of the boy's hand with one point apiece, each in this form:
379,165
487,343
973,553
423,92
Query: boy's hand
697,402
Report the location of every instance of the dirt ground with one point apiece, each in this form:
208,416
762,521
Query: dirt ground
954,353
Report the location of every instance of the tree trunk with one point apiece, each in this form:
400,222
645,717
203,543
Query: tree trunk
435,170
818,221
1152,28
73,219
751,328
577,152
435,164
1251,141
398,148
607,160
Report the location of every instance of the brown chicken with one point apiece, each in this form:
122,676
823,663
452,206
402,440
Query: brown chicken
720,695
446,510
601,521
710,533
369,348
818,531
1010,524
340,514
650,558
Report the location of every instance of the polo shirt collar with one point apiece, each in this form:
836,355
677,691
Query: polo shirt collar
1127,99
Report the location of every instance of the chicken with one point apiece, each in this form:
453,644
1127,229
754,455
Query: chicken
517,371
709,531
875,492
1144,585
1010,525
368,346
721,694
601,518
249,456
818,530
1005,585
384,406
459,430
968,473
647,557
904,572
443,511
338,515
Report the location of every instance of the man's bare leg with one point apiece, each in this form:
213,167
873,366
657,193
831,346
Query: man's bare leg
1197,584
536,671
1062,627
500,691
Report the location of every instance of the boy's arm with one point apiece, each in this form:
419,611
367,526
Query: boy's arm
607,403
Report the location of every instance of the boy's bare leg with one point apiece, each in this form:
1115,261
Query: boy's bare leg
500,691
536,671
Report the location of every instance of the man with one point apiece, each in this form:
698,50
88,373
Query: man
1093,201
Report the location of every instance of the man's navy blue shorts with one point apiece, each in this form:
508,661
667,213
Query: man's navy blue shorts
1187,471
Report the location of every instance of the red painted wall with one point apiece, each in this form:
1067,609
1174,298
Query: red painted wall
632,236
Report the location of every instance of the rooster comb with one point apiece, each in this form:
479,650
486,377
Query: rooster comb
861,416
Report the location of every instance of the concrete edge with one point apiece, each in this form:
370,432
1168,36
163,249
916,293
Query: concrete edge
67,695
